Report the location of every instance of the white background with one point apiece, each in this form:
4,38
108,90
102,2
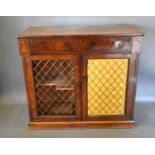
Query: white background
77,146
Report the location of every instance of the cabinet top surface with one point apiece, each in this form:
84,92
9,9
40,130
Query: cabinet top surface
107,30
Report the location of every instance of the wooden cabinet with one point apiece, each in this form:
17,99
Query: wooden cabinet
81,77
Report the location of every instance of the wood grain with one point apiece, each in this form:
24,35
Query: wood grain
48,45
81,124
108,30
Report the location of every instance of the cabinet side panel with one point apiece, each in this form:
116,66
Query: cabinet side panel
30,87
132,81
29,90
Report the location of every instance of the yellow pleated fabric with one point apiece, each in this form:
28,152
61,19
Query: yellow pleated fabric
107,80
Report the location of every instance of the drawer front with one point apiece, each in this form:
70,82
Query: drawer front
76,44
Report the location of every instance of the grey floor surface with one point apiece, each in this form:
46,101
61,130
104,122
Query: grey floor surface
13,123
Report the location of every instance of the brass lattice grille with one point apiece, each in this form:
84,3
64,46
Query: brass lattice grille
107,79
54,87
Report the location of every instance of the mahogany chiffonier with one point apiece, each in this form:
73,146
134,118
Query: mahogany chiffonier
81,76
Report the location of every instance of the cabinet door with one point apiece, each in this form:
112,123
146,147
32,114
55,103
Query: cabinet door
53,84
108,82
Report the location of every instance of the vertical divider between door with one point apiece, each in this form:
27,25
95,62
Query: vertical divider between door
84,87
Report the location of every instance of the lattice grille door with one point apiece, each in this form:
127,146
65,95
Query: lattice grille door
54,87
107,80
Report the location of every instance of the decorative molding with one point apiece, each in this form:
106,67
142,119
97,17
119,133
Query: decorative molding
23,46
137,44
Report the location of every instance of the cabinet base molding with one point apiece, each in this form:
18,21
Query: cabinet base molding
81,124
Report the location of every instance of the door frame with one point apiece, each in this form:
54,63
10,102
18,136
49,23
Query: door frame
130,90
30,87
